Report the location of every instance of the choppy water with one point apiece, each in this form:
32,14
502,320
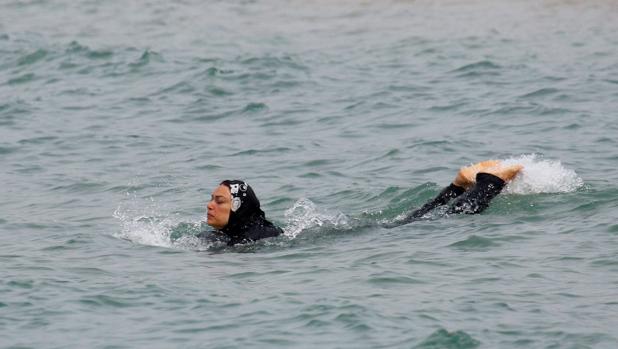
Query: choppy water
117,119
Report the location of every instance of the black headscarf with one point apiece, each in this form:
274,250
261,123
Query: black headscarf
245,207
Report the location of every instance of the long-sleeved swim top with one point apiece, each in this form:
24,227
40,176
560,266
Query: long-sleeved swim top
247,221
473,201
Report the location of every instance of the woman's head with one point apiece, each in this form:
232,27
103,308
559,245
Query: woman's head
232,203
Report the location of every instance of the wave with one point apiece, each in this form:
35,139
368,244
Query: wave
442,338
144,223
304,215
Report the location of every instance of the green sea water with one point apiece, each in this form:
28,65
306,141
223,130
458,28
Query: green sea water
118,119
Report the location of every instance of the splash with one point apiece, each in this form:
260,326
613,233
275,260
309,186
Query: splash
305,215
143,223
542,176
145,230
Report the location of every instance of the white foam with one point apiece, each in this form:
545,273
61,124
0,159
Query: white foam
304,215
542,176
142,222
144,230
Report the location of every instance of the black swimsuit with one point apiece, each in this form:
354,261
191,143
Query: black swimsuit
256,228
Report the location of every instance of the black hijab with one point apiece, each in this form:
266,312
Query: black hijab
245,207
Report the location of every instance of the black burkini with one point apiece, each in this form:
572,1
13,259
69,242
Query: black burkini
248,223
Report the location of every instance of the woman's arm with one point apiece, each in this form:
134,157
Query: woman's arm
488,184
479,184
448,193
479,196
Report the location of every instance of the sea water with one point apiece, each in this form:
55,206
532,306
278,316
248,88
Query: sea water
119,118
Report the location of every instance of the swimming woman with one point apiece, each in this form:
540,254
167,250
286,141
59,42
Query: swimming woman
234,209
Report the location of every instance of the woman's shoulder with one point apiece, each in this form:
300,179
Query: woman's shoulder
262,229
213,236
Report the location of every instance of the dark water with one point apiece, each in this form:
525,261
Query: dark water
117,119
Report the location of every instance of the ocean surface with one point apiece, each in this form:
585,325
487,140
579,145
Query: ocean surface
119,118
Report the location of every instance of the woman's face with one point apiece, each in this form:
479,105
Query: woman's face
219,207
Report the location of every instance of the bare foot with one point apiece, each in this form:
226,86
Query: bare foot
466,177
506,173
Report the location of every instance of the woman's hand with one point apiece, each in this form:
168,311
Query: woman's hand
506,173
466,177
